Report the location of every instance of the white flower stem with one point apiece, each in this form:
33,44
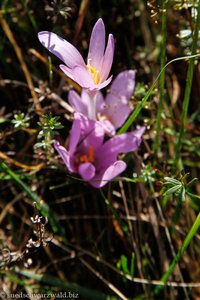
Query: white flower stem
92,106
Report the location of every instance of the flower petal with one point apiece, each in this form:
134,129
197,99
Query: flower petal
117,100
67,71
99,86
111,172
86,170
126,142
100,103
75,134
83,77
92,133
107,59
108,127
61,48
122,87
64,154
117,114
78,103
122,143
97,45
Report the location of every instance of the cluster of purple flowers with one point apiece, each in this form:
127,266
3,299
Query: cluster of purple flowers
94,145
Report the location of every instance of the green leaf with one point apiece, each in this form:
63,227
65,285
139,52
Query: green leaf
132,268
182,195
171,180
173,189
193,196
124,264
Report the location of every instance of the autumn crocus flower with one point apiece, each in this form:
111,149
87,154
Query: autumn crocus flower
93,158
112,111
93,74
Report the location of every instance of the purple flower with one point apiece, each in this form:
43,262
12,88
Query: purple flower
114,109
93,75
94,159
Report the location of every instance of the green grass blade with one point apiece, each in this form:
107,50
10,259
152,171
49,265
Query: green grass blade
123,226
43,207
180,253
142,103
156,144
177,162
66,286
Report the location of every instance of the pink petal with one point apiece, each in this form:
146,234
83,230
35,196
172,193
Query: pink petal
75,134
97,45
111,172
107,59
117,114
83,77
92,133
117,100
108,127
67,71
100,103
118,144
86,170
122,87
126,142
64,154
61,48
97,87
77,102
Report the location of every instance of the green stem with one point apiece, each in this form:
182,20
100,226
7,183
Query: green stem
177,162
162,77
180,253
123,226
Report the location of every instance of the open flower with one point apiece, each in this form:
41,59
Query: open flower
112,111
93,75
94,159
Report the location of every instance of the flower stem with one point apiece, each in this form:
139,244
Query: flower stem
92,106
162,77
177,162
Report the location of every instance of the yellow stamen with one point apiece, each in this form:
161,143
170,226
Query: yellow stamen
94,74
87,158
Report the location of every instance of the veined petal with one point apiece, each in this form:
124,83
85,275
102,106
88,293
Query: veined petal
107,59
97,45
111,172
78,103
61,48
86,170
